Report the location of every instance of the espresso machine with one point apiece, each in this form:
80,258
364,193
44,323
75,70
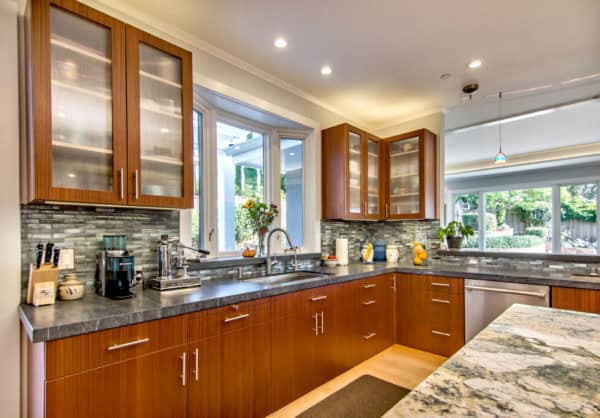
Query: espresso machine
115,269
172,265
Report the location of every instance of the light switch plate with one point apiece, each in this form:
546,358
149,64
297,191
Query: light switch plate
67,259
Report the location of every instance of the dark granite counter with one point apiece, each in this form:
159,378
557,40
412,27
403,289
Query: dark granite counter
530,362
94,313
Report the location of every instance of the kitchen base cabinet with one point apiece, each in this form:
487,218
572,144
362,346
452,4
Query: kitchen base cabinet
583,300
430,313
204,377
302,346
146,387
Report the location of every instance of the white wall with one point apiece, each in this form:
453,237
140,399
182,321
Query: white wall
10,237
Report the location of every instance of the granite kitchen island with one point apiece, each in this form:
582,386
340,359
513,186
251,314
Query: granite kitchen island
530,362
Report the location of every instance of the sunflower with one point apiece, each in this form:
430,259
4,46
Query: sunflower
249,204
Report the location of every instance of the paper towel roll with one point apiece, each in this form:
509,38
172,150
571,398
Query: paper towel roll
341,251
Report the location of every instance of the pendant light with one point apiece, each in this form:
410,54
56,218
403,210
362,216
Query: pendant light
500,157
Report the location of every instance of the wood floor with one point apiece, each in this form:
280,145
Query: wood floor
400,365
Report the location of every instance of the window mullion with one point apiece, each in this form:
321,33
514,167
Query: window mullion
556,241
482,221
597,217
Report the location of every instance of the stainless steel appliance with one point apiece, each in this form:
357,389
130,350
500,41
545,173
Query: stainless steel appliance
115,269
485,300
172,266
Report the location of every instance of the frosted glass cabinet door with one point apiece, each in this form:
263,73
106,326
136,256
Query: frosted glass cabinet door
78,116
373,200
160,148
404,177
354,173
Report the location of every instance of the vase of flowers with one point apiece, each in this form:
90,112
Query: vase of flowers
261,216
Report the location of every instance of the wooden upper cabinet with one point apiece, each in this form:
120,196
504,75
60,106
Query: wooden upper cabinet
368,178
89,75
411,172
351,164
159,125
76,104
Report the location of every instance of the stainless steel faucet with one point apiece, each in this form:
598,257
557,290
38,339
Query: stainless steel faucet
268,262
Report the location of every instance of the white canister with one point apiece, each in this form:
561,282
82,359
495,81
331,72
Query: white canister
341,251
392,253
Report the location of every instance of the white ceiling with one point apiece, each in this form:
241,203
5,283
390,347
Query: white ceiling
562,127
387,55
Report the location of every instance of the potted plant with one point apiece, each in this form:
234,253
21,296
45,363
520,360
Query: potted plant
454,233
261,217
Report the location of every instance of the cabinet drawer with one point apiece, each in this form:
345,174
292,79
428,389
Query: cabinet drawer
236,316
444,286
83,352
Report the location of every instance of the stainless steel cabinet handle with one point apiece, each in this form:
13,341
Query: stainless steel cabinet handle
322,323
371,335
387,210
183,358
443,334
235,318
121,186
440,301
196,361
368,286
512,292
440,284
365,205
316,328
369,302
136,185
128,344
318,298
394,286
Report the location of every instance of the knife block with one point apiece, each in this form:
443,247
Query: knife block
46,273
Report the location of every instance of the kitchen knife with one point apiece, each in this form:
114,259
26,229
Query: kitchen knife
39,252
56,257
48,253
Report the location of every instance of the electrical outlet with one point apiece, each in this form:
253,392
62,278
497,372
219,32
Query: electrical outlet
67,259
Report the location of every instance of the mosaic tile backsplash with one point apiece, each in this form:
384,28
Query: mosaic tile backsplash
401,233
82,228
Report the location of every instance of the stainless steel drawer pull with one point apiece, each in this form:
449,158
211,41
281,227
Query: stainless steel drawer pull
368,337
369,302
440,284
509,291
235,318
128,344
183,376
368,286
440,301
318,298
322,323
196,361
443,334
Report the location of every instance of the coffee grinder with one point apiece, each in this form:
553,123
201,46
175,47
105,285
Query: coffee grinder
115,269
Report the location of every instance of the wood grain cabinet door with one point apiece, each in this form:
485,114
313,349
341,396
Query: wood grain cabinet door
151,386
583,300
159,122
204,377
77,141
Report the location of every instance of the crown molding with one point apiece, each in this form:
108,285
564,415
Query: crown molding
410,118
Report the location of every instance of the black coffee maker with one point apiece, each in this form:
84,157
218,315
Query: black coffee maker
115,269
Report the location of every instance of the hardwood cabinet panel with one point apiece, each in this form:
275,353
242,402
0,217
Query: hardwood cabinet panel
84,352
159,122
146,387
204,376
77,116
583,300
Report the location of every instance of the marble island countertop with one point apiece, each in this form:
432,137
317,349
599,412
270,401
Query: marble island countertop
95,313
529,362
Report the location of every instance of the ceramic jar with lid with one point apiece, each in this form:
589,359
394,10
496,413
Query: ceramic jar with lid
70,288
392,253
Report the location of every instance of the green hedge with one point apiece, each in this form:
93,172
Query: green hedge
538,231
516,241
472,219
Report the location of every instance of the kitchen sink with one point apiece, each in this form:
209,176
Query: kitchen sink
286,277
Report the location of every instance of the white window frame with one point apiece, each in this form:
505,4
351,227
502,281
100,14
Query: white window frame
271,153
556,223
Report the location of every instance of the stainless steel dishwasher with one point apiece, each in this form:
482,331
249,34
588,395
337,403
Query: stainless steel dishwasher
485,300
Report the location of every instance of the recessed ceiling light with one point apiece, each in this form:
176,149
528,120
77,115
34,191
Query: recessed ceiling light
280,43
474,64
326,70
445,76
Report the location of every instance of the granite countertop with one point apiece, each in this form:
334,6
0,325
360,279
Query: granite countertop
530,362
94,313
